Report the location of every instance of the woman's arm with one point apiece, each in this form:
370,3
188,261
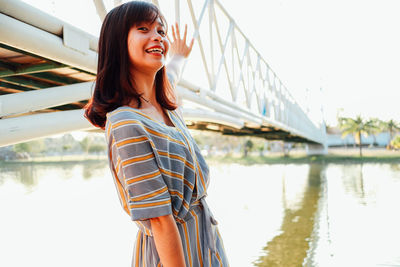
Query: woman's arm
179,50
168,241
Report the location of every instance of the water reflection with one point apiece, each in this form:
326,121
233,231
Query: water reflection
29,174
292,215
290,247
353,181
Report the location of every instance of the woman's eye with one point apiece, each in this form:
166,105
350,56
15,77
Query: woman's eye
161,32
142,29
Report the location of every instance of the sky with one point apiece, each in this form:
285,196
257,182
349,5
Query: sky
349,50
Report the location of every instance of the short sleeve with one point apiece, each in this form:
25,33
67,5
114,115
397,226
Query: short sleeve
146,192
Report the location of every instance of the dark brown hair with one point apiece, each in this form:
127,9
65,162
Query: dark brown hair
114,86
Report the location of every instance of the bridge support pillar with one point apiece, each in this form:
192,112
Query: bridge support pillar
316,149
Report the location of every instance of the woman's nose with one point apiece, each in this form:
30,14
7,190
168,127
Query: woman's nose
157,36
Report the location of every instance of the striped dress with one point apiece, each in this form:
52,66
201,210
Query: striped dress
159,170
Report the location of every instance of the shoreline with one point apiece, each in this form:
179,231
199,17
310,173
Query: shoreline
343,156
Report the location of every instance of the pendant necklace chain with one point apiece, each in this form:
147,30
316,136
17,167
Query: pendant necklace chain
144,99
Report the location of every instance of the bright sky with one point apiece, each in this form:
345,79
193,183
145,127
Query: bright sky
349,48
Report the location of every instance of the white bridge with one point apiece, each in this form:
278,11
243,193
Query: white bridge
47,68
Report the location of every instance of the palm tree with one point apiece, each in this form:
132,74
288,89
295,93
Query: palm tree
392,127
357,127
376,130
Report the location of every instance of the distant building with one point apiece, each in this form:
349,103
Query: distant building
334,139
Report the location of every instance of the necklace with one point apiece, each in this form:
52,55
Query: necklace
144,99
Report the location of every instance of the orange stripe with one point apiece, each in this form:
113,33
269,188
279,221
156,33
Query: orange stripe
132,140
144,251
186,182
145,205
124,123
187,244
171,174
118,165
144,177
108,129
137,159
148,129
176,193
164,136
162,153
137,249
201,176
195,159
197,237
209,255
219,259
121,190
150,195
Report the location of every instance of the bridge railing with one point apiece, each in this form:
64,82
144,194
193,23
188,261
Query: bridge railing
232,71
225,75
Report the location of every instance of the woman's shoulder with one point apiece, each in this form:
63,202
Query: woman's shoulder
123,118
121,113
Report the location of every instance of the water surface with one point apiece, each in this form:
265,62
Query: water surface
269,215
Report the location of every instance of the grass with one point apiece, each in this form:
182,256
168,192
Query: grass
342,157
60,159
295,157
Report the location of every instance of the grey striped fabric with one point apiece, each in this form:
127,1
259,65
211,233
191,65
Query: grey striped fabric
159,170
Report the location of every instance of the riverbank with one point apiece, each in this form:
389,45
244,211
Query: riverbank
58,159
340,155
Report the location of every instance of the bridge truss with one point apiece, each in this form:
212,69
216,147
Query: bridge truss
47,68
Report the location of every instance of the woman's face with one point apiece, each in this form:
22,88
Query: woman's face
148,46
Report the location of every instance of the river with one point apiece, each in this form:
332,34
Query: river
65,214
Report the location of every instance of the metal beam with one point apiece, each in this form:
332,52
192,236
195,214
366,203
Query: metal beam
41,20
33,40
100,8
13,86
53,78
45,98
29,127
26,82
28,69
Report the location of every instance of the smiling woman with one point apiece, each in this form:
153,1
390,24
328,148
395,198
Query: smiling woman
160,175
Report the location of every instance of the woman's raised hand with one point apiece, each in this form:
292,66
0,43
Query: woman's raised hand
178,45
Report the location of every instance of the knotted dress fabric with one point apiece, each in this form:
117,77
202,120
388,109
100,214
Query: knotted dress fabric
158,170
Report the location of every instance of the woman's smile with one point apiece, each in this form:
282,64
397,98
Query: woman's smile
148,39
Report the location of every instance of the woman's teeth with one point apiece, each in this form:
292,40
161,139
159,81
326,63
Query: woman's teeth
154,50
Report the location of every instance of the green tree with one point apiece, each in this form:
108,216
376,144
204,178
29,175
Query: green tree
248,146
31,147
392,127
97,148
22,147
376,129
395,143
85,144
357,127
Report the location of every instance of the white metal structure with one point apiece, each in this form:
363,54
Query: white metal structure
242,94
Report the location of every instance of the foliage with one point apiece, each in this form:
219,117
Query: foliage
357,127
248,146
32,147
395,143
97,148
85,144
392,127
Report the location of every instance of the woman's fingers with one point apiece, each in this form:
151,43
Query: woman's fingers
173,32
178,34
191,45
184,34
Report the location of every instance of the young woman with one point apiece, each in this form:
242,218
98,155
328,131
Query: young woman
160,176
